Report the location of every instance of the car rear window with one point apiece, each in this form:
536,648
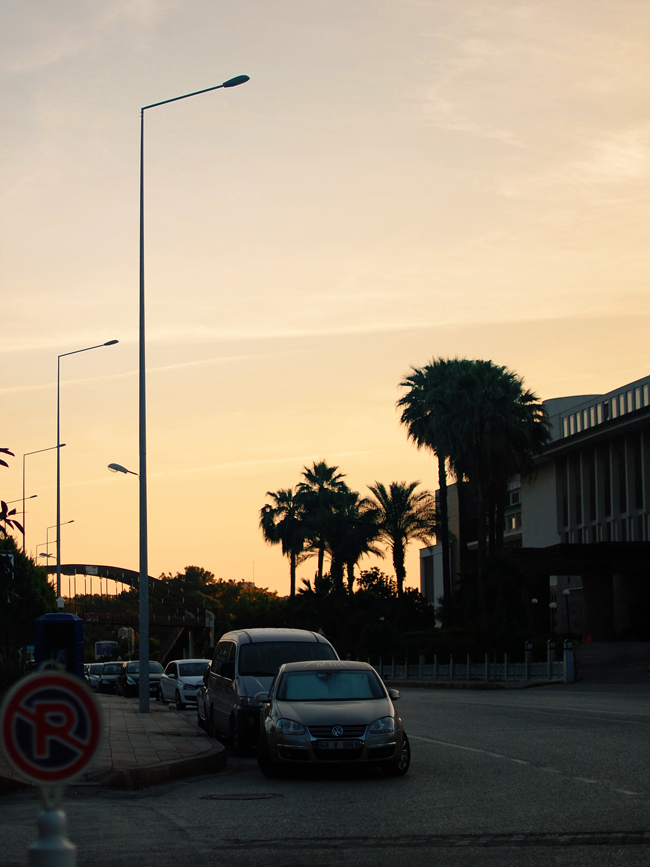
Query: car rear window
263,659
330,686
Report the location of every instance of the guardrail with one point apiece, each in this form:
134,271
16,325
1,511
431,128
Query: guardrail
468,669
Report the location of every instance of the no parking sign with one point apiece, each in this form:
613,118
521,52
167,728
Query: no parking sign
50,726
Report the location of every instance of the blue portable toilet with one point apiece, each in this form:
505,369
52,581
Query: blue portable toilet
60,638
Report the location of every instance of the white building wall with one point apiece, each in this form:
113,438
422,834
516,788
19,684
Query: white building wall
539,524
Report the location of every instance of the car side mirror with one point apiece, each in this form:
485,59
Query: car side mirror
172,675
394,694
262,698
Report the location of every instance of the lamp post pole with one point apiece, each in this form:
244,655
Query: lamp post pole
144,555
58,453
566,593
38,451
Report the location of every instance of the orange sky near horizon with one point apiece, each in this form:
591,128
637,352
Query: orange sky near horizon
397,181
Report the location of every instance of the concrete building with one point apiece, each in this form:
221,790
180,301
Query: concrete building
580,526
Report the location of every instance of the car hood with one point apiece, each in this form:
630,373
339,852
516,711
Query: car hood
312,713
152,676
195,681
250,685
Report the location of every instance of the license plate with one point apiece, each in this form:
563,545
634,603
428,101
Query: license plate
339,745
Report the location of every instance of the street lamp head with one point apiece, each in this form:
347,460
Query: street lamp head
233,82
566,592
552,605
111,342
534,601
118,468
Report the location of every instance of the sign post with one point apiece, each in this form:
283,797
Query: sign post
50,729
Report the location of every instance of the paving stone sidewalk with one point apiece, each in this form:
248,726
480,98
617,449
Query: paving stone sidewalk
141,750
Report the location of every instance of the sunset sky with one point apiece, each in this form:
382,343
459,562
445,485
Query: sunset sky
399,180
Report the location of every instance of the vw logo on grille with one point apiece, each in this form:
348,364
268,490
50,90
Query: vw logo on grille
337,731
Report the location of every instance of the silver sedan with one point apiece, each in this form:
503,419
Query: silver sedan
331,712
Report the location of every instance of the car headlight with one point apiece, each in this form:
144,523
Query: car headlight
289,727
385,724
189,686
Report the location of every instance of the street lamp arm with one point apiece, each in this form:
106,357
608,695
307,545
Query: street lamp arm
232,82
86,349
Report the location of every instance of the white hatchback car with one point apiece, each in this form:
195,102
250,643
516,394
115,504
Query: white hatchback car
180,681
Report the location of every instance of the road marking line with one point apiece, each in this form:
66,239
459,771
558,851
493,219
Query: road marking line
546,770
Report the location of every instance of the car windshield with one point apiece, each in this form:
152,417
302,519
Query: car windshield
95,668
111,668
191,669
134,668
263,659
330,686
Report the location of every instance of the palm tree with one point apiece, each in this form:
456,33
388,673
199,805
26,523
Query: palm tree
316,493
349,528
478,415
426,408
282,523
404,517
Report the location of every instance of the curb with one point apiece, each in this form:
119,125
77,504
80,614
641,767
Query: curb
474,684
131,779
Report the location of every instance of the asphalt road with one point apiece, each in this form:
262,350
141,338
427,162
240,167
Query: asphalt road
549,776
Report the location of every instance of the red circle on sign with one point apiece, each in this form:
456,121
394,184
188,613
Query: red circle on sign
68,701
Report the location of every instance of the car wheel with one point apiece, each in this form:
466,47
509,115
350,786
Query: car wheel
212,726
239,745
266,766
179,704
399,766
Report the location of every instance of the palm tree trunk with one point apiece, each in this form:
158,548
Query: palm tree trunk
398,566
501,520
321,560
482,557
336,572
447,615
292,590
350,577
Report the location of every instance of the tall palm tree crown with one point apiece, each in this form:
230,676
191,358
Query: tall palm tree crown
404,516
322,483
282,523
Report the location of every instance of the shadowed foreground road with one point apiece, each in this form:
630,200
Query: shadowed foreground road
550,776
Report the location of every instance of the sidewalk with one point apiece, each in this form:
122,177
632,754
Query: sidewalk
141,750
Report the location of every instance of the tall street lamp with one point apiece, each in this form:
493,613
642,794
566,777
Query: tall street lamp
38,451
58,453
144,557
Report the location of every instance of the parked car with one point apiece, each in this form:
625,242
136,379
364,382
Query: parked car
245,662
335,712
128,679
202,700
108,676
180,681
92,672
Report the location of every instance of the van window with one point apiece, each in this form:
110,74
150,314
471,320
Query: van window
263,659
225,651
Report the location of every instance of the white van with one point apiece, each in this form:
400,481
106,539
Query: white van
245,662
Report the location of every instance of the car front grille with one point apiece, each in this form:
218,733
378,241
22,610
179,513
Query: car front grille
325,732
338,755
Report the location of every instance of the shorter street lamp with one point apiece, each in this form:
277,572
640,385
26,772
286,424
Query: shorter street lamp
26,455
553,607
